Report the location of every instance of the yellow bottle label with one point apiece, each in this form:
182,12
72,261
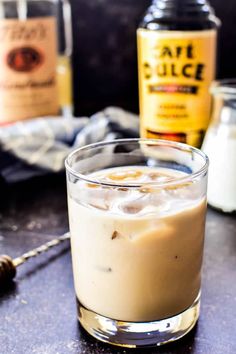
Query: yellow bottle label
28,64
175,72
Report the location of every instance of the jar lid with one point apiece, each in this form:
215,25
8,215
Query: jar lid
226,88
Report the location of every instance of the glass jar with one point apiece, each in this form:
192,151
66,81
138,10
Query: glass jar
35,51
220,146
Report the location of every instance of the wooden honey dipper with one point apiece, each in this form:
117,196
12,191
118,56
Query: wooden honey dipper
8,265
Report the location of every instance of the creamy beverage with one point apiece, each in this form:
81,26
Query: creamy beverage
137,251
220,146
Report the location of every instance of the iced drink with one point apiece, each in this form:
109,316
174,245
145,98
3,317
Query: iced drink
137,251
137,218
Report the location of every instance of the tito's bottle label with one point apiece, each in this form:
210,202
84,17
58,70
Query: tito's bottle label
28,62
175,72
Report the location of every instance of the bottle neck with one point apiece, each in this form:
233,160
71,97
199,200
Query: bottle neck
181,14
183,8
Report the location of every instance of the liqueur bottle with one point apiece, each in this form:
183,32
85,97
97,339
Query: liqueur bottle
177,63
35,49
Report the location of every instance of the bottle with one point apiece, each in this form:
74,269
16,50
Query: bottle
35,50
220,146
176,62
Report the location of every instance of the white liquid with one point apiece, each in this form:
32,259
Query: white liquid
136,256
220,146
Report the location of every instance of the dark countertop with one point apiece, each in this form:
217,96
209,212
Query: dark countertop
38,311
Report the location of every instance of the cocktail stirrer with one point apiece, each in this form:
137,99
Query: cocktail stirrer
8,265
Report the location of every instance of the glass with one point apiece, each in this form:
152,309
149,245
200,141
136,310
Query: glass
220,146
176,39
52,10
64,65
137,218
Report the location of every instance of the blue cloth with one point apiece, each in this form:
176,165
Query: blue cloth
40,146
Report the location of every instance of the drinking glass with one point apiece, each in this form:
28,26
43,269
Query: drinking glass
137,218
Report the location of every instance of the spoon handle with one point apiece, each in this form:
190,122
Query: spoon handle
8,265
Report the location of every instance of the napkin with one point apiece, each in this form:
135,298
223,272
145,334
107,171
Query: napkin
40,146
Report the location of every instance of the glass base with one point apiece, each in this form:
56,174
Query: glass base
139,334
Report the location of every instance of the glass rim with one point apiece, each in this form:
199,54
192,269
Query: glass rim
224,87
167,143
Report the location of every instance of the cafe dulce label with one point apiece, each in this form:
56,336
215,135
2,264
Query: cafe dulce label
28,60
175,72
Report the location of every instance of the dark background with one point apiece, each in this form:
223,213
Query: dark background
105,65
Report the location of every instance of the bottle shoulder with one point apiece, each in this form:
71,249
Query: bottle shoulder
172,25
182,15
